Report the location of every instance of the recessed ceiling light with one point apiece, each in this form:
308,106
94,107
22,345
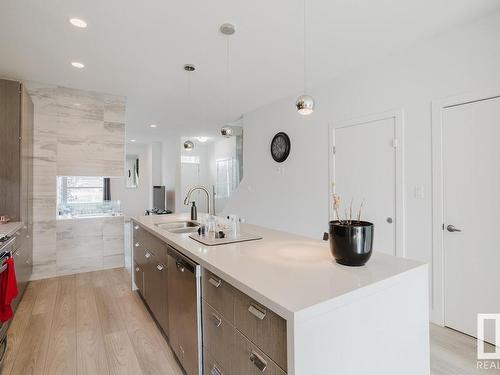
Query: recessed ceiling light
153,126
78,65
132,140
78,22
202,139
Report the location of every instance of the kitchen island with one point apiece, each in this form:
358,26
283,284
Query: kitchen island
337,319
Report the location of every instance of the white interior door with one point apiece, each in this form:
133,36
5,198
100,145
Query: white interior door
365,169
471,203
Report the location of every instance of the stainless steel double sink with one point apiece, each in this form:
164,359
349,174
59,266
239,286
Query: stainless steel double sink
184,226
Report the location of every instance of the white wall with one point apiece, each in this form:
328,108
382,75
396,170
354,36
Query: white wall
223,148
202,150
296,200
156,163
135,201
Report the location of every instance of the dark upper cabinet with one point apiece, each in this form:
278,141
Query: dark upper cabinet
10,149
16,167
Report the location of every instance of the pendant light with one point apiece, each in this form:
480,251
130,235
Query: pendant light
189,145
304,103
227,29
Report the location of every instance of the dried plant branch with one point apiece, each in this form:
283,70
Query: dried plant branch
359,212
350,212
336,206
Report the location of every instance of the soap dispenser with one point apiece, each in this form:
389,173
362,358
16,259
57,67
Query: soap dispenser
194,213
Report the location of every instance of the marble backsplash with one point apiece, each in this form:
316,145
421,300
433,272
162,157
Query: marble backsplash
76,133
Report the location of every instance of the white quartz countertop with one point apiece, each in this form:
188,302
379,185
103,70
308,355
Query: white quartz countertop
293,275
10,228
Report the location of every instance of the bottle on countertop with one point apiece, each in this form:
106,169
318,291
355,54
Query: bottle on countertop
194,211
235,221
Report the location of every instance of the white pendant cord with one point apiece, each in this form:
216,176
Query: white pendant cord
190,99
304,41
227,77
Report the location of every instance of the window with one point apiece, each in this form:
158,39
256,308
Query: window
227,177
85,197
79,190
190,159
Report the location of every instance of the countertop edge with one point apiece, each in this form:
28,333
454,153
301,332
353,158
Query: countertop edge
10,228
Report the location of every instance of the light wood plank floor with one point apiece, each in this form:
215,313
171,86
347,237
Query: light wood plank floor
453,353
93,324
90,323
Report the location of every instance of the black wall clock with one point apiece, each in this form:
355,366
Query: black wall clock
280,147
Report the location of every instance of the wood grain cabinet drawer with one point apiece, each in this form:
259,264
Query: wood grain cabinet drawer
138,243
262,326
211,366
219,294
139,278
249,360
156,247
218,337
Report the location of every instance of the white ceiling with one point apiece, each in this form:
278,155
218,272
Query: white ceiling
138,49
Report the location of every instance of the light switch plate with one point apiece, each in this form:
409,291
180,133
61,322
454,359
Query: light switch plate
418,192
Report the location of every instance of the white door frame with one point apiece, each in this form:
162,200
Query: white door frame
437,276
398,116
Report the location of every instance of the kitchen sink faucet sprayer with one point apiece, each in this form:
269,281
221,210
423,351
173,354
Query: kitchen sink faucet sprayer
210,201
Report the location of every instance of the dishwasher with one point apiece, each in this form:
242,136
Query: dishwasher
185,311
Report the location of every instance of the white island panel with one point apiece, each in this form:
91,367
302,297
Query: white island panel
385,332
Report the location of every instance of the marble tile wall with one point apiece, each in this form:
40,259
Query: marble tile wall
89,244
77,133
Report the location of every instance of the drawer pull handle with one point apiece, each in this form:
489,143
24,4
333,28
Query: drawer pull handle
137,269
136,227
257,312
137,244
160,267
180,266
215,370
147,255
215,283
217,321
258,361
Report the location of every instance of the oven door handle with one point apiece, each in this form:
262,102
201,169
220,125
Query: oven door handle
4,344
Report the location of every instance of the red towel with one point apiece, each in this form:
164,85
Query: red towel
8,290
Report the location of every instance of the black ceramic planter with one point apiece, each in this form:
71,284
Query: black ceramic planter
351,244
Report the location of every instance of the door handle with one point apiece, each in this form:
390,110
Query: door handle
147,255
451,228
258,361
160,267
137,244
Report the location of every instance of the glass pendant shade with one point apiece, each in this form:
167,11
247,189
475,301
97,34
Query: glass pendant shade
305,105
188,145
